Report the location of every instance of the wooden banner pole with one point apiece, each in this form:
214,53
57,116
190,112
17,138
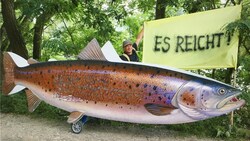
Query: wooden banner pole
234,85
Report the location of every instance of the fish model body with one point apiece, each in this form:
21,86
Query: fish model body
120,91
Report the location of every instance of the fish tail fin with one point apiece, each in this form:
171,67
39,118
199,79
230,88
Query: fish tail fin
10,61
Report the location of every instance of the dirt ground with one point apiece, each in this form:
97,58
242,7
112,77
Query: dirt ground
25,128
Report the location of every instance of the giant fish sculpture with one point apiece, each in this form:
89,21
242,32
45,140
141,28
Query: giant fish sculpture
116,90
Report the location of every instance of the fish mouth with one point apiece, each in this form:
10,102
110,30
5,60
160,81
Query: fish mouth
230,103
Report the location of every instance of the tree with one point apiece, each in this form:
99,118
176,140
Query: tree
17,43
160,9
38,31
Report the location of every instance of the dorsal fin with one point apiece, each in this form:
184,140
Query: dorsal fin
32,61
110,53
33,100
92,52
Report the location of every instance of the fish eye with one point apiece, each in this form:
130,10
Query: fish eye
222,91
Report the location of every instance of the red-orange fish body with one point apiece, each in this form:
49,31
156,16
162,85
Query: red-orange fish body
102,82
123,91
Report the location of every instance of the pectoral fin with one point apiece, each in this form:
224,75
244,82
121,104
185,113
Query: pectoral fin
33,100
158,110
74,117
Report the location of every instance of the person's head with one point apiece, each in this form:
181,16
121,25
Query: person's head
127,47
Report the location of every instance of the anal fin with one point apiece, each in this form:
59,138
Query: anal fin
74,117
157,109
33,100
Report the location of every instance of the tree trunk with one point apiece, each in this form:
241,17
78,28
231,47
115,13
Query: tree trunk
17,44
38,31
228,77
160,9
213,73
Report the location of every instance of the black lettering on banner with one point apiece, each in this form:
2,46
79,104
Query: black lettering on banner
188,43
199,41
157,42
195,43
210,42
162,44
219,38
180,40
168,45
228,38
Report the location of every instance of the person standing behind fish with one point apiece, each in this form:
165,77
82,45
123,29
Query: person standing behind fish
130,49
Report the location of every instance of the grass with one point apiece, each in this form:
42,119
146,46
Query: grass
217,127
17,104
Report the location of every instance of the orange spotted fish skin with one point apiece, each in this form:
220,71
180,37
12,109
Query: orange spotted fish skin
102,81
129,92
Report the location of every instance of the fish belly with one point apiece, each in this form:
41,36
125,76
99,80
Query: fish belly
116,112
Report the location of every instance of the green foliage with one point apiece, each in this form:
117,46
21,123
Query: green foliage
202,5
17,104
13,103
243,27
244,73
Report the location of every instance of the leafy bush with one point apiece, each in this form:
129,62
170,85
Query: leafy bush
17,103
